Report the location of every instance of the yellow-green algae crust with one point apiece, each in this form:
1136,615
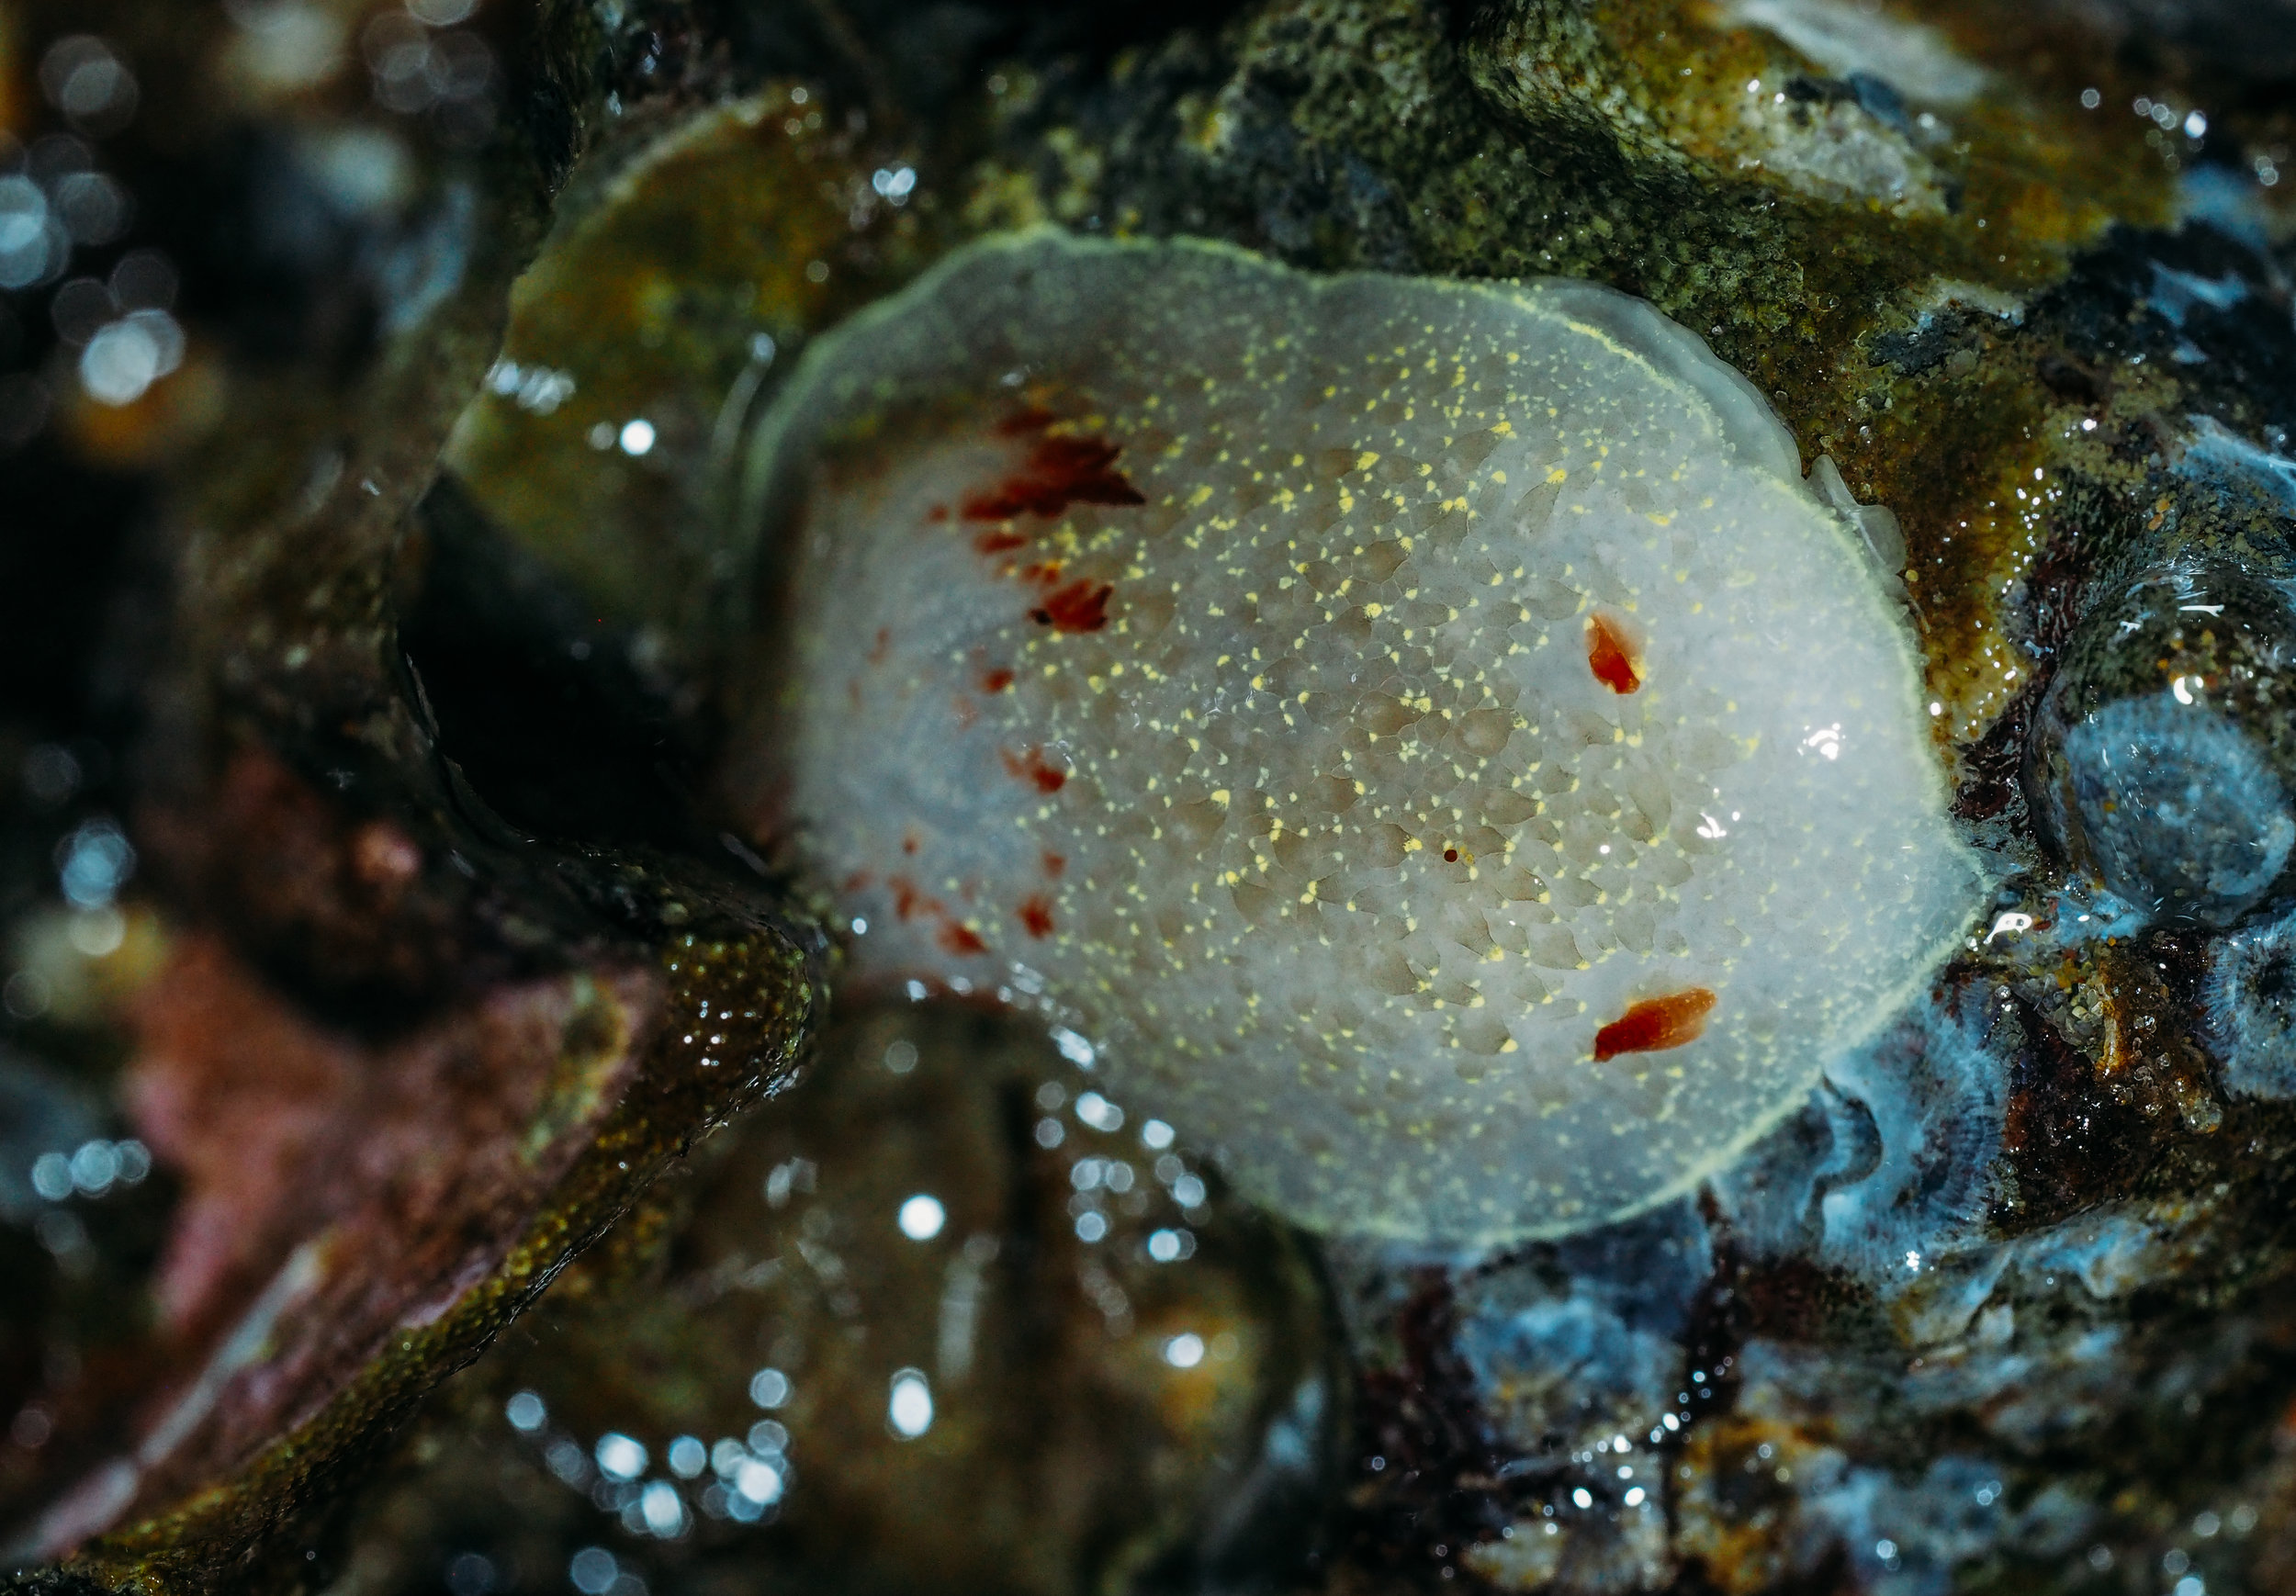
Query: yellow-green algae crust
1294,785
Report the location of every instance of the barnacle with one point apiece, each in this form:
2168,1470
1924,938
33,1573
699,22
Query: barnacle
2250,993
1910,1127
2160,760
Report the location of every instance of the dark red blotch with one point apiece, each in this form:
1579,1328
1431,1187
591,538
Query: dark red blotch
1030,767
1081,606
1059,472
1656,1024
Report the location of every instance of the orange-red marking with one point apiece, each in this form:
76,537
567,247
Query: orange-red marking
1036,914
1610,653
1054,863
1656,1024
996,680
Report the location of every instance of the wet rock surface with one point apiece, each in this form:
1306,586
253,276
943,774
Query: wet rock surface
950,1317
373,919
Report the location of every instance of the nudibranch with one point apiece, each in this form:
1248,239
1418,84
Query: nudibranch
1426,736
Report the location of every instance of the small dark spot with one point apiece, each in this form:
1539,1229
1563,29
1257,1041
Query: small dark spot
2070,380
1450,856
1030,767
2273,983
1811,90
1036,915
996,680
956,939
1933,337
906,899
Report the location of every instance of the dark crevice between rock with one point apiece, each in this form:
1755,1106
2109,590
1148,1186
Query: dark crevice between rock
917,59
548,710
1443,1481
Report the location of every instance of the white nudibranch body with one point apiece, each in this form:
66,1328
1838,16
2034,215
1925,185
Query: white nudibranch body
1425,734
